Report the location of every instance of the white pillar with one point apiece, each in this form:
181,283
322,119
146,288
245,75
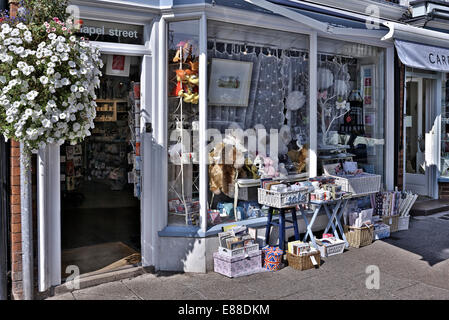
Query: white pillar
203,157
313,109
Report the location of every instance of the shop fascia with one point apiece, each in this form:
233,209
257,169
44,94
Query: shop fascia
111,32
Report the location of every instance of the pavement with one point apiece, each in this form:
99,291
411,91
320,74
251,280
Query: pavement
412,264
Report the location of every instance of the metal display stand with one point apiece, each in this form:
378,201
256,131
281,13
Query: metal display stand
334,210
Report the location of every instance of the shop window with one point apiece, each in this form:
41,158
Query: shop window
350,105
445,127
183,116
258,125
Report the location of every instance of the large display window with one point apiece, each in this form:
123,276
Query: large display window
183,117
258,116
351,105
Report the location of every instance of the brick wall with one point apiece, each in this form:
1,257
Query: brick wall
16,233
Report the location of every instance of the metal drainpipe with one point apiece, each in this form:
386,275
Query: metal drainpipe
27,223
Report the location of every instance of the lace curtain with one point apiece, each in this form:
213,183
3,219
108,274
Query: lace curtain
273,79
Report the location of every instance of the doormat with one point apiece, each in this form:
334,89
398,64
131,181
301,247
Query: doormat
98,258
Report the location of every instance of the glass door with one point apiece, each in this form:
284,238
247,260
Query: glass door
418,101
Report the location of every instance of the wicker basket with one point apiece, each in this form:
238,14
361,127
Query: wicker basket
359,237
303,262
391,221
282,199
403,223
359,184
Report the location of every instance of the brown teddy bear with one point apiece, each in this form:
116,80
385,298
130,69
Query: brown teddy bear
299,158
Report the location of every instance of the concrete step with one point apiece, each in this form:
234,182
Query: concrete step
428,207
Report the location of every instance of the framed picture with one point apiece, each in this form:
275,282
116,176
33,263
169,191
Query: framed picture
230,82
368,82
118,65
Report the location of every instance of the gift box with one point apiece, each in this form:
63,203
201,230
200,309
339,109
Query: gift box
238,266
272,258
213,216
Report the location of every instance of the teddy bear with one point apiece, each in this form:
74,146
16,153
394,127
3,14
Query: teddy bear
225,166
299,158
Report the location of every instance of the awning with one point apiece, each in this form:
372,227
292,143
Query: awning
322,22
421,56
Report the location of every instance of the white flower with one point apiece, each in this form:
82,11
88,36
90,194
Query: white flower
43,80
14,72
21,26
15,32
51,36
50,71
74,88
32,95
47,123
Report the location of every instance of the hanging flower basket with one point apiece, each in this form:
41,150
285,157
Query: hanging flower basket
48,78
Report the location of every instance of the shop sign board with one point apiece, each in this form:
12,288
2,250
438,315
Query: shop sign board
417,55
104,31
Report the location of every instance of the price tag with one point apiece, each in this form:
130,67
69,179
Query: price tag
313,260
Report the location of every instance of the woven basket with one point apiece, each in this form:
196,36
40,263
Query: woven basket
282,199
392,221
303,262
359,184
359,237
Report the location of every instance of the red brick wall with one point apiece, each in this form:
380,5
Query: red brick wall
16,233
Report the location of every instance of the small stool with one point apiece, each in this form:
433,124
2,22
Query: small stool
281,225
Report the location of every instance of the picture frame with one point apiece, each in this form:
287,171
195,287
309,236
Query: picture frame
230,82
118,65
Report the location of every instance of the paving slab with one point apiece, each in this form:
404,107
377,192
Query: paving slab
413,264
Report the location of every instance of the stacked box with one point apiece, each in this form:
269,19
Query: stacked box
239,265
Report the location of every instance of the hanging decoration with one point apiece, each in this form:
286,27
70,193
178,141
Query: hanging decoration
333,92
295,100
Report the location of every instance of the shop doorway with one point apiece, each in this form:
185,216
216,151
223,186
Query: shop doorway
418,120
100,189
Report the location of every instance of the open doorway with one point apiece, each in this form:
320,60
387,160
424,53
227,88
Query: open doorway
100,190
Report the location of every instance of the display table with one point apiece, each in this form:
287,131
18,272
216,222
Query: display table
246,183
334,210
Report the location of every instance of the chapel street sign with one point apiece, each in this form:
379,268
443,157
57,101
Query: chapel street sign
104,31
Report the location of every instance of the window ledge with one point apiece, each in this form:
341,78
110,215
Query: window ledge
196,232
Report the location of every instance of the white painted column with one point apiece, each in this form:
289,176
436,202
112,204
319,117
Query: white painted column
203,157
49,217
313,108
389,119
146,158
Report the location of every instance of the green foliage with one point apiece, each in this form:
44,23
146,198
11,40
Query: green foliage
39,11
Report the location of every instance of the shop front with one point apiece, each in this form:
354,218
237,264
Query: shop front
424,117
240,99
224,102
